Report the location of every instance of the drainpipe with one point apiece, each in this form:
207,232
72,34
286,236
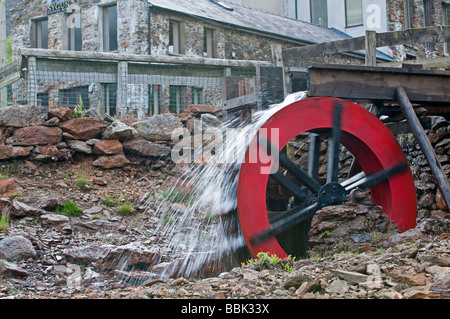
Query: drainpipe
296,9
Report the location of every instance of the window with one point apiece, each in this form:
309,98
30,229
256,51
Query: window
110,42
319,13
74,96
177,98
176,37
111,98
209,43
197,95
408,14
73,38
39,33
353,13
43,98
154,99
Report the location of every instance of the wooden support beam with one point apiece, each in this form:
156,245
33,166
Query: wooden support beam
424,144
437,34
354,82
371,48
108,56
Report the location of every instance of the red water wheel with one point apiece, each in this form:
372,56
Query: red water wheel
385,171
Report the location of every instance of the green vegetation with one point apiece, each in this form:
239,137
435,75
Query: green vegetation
4,222
79,110
69,209
125,209
171,195
266,260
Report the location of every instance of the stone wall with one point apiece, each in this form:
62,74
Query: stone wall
396,22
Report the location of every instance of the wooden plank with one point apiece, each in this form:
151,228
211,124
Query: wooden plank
441,62
412,36
377,83
292,56
241,101
9,79
108,56
424,144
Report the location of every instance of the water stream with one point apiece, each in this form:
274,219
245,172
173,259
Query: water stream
195,222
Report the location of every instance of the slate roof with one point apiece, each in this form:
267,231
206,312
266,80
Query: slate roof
255,20
252,19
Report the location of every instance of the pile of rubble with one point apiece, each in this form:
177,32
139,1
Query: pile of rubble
45,135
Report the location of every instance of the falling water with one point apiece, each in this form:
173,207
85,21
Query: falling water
197,235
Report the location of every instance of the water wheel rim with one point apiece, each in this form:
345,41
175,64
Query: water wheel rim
365,136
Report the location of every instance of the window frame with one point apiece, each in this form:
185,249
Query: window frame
106,28
347,25
176,37
209,43
325,2
408,14
37,33
70,38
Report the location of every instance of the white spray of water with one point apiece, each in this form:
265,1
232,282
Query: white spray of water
197,235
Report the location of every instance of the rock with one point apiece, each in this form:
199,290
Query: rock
99,181
22,116
8,187
350,276
49,150
10,152
250,274
303,289
8,269
337,287
14,248
54,220
158,127
99,225
200,108
210,121
52,122
118,130
61,113
108,147
80,146
114,161
84,128
36,135
409,235
27,210
113,257
440,202
146,148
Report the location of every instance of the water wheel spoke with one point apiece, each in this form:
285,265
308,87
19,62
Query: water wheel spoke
285,221
313,156
334,145
297,172
364,182
289,184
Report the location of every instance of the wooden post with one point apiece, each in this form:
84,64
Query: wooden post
425,144
3,91
32,81
371,48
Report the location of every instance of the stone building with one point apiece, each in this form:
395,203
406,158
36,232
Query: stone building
355,16
201,28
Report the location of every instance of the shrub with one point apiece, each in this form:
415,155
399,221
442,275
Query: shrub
125,209
69,209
